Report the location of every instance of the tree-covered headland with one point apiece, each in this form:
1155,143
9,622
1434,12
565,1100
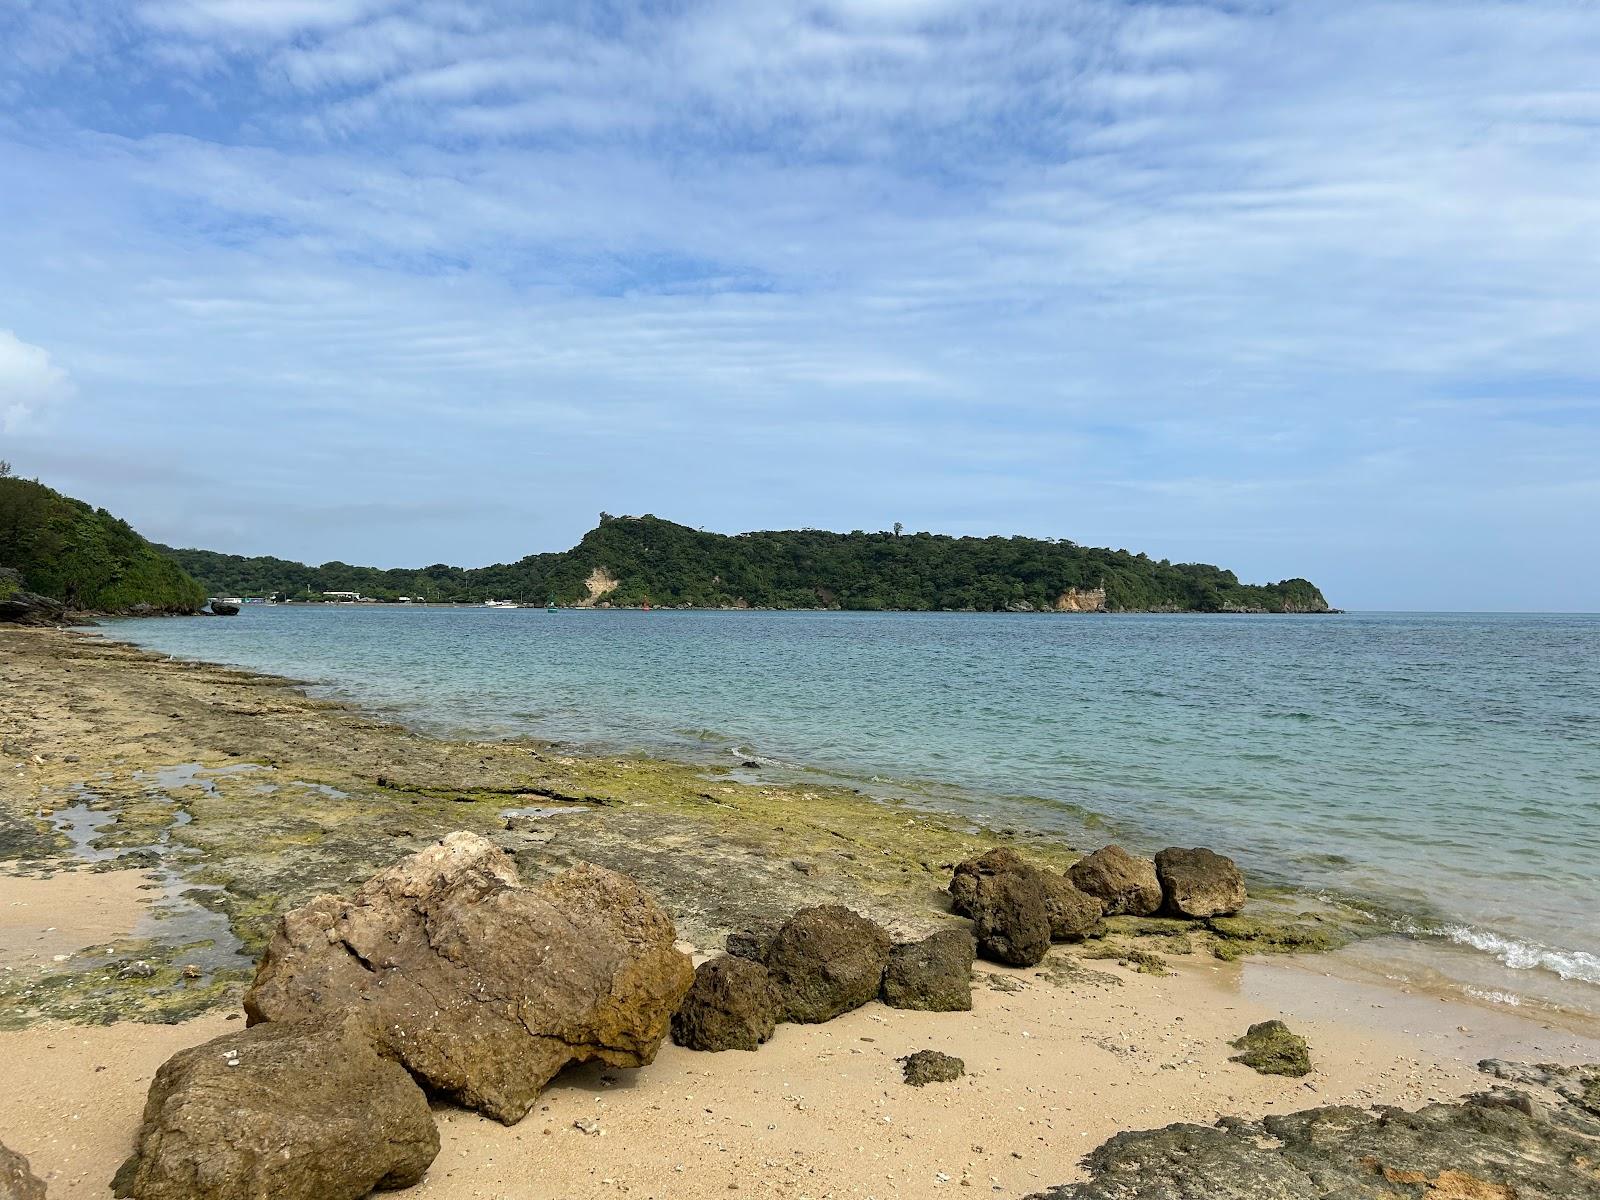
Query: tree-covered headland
646,560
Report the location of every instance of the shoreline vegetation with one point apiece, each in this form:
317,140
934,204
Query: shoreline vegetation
234,798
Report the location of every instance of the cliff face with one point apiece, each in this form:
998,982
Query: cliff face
1081,600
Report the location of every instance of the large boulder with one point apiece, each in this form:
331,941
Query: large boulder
934,975
1198,883
826,961
481,987
1121,882
1072,913
300,1110
963,887
1011,918
17,1180
733,1005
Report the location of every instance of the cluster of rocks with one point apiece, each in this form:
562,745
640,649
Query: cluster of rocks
443,972
1018,909
821,963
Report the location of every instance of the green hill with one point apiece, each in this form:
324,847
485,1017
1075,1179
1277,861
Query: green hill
638,560
84,557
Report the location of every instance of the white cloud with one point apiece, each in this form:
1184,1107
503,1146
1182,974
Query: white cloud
28,381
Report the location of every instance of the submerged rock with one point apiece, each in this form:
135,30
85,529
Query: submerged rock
1479,1149
733,1005
298,1110
826,961
1121,882
933,975
929,1066
1199,883
481,987
1011,918
1270,1048
17,1180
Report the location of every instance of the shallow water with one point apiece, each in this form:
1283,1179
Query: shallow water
1443,768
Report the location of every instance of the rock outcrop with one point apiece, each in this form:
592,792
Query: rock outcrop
930,1066
17,1180
1270,1048
733,1005
826,961
21,607
483,989
1489,1147
1199,883
1578,1084
1011,918
933,975
300,1110
1122,883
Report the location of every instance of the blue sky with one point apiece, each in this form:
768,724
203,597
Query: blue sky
1300,288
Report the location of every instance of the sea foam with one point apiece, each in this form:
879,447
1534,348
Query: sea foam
1525,956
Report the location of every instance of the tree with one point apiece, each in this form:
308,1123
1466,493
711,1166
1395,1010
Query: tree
897,528
5,469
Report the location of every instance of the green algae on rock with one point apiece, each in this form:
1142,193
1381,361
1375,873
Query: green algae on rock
1271,1048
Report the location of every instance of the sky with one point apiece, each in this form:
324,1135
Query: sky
1300,288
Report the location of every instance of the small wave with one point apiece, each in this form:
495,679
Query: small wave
1511,999
1525,956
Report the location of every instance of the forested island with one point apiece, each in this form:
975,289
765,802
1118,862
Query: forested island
632,561
57,549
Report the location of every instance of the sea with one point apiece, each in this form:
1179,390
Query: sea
1440,771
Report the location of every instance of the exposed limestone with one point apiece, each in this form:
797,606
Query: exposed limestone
827,960
481,987
1121,882
1486,1148
934,975
299,1110
1270,1048
733,1005
1199,883
1578,1084
1081,600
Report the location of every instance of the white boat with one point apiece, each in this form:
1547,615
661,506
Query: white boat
501,604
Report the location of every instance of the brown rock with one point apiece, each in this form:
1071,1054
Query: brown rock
963,887
825,961
17,1180
1011,918
1121,882
934,975
298,1110
1198,883
482,988
1072,913
733,1005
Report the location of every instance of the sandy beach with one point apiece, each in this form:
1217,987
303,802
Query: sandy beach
232,796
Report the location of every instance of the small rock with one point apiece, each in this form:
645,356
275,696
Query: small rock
930,1066
1269,1048
192,971
586,1126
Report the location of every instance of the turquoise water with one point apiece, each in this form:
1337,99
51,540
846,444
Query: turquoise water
1444,769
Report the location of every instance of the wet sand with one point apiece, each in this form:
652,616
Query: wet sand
1058,1057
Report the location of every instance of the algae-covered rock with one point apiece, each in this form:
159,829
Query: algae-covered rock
17,1180
1199,883
1072,913
1011,918
733,1005
298,1110
933,975
1253,935
963,887
1121,882
827,960
1479,1149
1270,1048
484,989
930,1066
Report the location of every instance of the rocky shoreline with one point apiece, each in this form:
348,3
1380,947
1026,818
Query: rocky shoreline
241,800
